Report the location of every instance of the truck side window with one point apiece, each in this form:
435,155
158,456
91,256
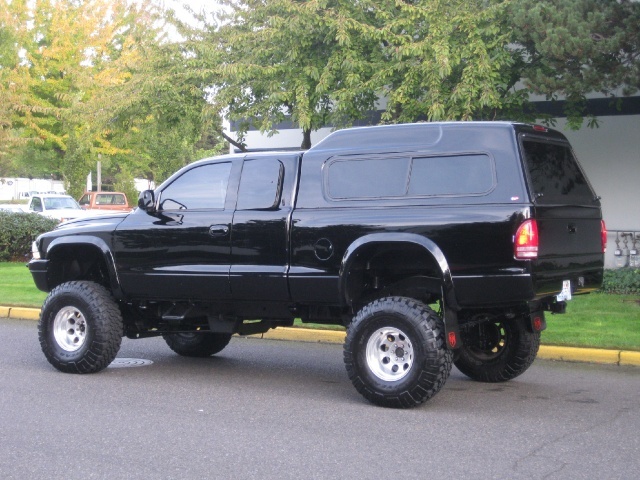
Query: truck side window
451,175
368,178
203,187
36,204
404,176
260,184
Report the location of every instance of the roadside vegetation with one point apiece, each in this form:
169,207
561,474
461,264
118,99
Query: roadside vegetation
130,85
597,320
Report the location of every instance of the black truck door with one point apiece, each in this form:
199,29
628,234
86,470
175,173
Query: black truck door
260,234
182,250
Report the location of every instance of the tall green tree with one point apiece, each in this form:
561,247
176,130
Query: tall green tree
572,48
327,61
277,59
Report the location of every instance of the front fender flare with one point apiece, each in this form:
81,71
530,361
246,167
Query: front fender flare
96,243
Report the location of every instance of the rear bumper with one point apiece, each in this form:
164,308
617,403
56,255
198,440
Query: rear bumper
492,290
38,269
488,290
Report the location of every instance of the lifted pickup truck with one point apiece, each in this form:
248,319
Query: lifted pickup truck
433,243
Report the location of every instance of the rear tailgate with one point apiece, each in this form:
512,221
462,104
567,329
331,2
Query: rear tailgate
568,217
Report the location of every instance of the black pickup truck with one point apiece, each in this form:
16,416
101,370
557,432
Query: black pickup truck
433,243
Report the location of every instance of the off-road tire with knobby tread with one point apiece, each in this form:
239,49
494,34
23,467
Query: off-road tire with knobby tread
497,350
201,344
80,328
413,329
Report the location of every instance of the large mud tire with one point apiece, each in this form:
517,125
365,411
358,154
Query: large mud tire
497,350
80,327
201,344
395,352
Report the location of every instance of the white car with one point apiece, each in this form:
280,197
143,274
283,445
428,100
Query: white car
61,207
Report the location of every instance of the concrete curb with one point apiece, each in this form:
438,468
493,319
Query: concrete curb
548,352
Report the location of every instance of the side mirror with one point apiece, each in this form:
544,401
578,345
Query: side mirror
147,201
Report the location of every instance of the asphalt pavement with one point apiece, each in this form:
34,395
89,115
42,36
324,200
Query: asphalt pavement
269,409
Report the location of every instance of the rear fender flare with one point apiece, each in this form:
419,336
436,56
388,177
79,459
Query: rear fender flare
352,252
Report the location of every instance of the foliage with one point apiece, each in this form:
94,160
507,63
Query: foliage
274,59
321,62
96,78
125,184
624,281
85,78
575,47
18,231
442,60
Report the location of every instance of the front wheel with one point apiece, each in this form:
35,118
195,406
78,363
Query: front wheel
80,328
395,353
497,350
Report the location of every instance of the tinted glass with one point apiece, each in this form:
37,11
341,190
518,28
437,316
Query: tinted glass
404,176
200,187
555,174
455,175
260,184
367,178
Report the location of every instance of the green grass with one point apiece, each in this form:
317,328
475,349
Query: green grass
597,320
17,288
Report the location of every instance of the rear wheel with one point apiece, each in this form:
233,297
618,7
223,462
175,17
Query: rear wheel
80,328
200,344
395,353
497,350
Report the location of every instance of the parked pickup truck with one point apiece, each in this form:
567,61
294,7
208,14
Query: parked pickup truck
116,201
54,205
433,243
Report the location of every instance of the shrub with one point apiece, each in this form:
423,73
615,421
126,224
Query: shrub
624,281
18,231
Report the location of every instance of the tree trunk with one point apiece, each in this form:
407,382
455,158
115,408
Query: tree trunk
306,139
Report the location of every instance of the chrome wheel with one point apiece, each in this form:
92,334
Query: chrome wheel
70,329
389,354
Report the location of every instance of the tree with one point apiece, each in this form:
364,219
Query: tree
274,59
572,48
65,55
441,60
326,61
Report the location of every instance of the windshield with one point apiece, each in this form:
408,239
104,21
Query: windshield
60,203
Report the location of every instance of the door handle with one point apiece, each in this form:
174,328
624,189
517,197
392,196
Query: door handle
218,230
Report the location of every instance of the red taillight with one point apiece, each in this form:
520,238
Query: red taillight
603,236
525,242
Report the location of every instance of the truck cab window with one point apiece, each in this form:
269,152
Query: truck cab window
203,187
260,185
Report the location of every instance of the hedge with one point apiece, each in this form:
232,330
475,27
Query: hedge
624,281
18,231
